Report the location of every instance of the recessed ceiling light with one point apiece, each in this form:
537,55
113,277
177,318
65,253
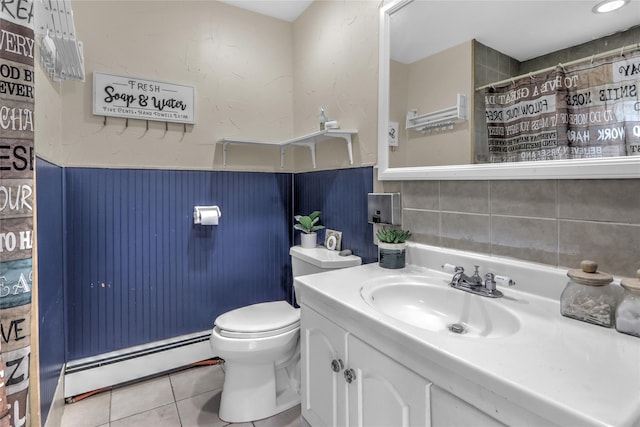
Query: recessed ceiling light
609,5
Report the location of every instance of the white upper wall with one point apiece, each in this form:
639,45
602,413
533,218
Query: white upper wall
427,86
335,52
239,62
255,77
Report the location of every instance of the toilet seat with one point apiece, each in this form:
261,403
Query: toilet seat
258,320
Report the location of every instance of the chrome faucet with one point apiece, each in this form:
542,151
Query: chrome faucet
475,283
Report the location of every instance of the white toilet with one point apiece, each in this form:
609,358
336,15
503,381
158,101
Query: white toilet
260,346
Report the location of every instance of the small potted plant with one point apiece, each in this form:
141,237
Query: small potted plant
308,224
392,247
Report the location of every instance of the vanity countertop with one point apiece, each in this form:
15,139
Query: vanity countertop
567,371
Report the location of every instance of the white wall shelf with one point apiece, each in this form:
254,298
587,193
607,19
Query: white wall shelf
309,141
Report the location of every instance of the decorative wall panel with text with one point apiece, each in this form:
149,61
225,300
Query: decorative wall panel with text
17,50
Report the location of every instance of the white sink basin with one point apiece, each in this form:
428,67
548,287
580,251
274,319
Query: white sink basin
428,303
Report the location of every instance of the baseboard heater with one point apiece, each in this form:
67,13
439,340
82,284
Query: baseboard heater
122,366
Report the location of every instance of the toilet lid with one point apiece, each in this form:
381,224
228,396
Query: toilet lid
256,318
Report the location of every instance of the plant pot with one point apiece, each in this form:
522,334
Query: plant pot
308,241
391,255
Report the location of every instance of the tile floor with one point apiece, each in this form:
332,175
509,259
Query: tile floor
189,398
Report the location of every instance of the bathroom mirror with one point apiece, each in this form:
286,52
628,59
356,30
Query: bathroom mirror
507,27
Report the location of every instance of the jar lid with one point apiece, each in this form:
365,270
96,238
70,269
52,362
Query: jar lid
588,274
631,283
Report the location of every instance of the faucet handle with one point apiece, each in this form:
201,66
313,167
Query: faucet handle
504,280
489,281
477,272
451,268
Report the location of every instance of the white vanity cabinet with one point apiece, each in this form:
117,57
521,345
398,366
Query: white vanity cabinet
451,411
405,373
323,352
348,383
384,393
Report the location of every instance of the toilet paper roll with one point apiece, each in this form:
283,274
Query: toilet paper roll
209,217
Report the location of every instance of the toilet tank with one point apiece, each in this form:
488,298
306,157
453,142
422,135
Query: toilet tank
317,260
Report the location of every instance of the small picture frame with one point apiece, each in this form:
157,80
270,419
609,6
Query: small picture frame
333,240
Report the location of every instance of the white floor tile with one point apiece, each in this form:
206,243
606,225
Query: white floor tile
164,416
140,397
194,381
90,412
289,418
201,410
178,400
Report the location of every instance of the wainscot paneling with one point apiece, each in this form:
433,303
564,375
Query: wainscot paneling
341,195
49,183
121,262
139,270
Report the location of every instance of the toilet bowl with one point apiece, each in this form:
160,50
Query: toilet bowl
260,346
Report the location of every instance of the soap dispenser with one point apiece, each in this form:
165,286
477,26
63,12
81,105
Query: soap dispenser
323,119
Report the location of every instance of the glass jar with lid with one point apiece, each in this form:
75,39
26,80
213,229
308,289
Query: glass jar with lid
589,296
628,310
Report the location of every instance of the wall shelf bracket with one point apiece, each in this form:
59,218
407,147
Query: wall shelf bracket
224,153
311,145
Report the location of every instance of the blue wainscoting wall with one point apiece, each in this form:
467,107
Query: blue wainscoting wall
341,195
121,263
139,270
49,183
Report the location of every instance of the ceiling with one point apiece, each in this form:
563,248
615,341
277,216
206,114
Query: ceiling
522,29
287,10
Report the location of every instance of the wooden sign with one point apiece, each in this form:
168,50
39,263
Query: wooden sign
134,98
17,94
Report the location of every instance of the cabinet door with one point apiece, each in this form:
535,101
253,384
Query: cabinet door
451,411
384,393
323,358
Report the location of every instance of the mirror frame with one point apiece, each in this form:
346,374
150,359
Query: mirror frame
599,168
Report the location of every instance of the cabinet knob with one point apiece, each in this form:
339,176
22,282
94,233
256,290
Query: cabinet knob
337,365
349,375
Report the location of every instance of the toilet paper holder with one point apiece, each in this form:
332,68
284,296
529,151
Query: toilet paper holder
198,212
